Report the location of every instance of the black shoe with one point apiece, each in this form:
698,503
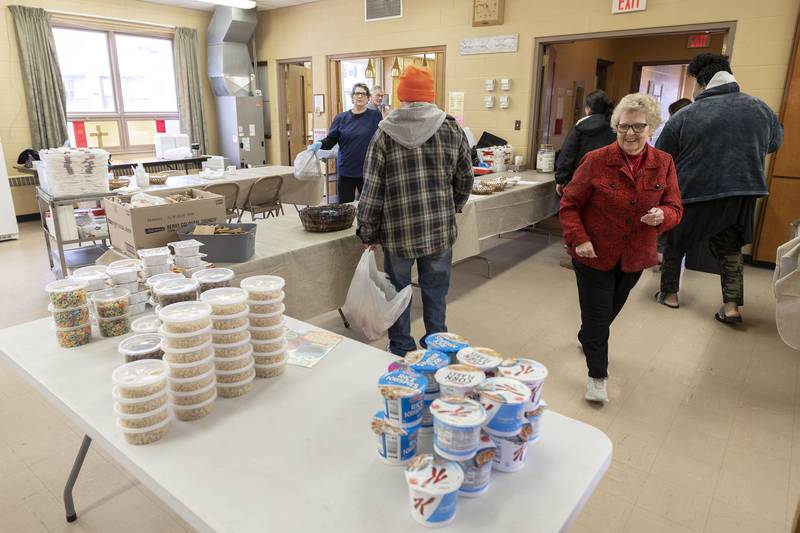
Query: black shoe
727,319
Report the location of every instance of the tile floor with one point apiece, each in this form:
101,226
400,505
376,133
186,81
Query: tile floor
705,419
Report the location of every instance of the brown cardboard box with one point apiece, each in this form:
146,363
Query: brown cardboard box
134,228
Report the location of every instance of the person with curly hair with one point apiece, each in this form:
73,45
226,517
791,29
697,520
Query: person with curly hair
719,144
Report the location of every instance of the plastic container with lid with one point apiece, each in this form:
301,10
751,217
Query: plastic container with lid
114,326
270,346
146,324
448,343
124,263
72,337
268,333
233,349
531,373
187,413
396,445
140,378
485,359
142,346
265,320
138,297
433,489
234,376
427,363
189,272
458,380
69,318
141,420
234,390
265,307
154,256
187,247
195,396
271,358
146,435
123,274
456,427
189,370
185,317
192,384
478,470
230,336
263,287
402,393
512,452
94,275
176,290
232,321
67,293
225,300
234,363
111,303
153,280
189,261
156,270
504,400
138,309
546,158
145,404
188,342
270,371
131,287
213,278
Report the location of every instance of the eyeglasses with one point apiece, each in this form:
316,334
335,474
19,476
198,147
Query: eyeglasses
378,95
637,128
359,93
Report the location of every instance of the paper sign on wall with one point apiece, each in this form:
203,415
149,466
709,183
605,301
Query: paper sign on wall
246,144
627,6
252,130
455,106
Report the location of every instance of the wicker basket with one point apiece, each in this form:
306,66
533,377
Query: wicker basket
118,183
324,218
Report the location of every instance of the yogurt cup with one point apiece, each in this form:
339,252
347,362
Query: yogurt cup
67,293
152,281
458,380
156,270
263,287
504,400
189,261
444,342
123,274
396,445
427,363
95,277
535,419
433,490
402,393
225,300
531,373
154,256
146,324
512,452
427,417
187,247
456,427
485,359
142,346
213,278
478,470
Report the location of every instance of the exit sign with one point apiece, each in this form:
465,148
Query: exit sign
702,40
627,6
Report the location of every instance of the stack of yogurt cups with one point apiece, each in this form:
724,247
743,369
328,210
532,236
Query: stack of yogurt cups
230,339
397,425
124,274
427,363
70,310
446,343
533,374
188,258
112,310
267,325
186,329
141,406
504,400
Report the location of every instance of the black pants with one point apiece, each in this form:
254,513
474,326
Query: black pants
348,187
602,295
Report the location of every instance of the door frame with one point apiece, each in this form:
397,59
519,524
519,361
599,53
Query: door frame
636,76
281,79
540,44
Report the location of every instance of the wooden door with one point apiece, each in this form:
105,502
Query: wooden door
296,119
782,206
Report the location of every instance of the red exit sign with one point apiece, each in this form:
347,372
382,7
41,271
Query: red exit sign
702,40
627,6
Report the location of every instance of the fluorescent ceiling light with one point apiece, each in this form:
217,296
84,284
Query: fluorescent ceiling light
241,4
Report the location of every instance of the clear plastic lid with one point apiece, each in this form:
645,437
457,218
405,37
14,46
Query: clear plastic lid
277,300
66,309
126,263
459,412
199,348
189,243
152,281
146,324
236,371
188,334
141,344
505,390
66,285
237,344
269,315
435,477
153,252
89,271
140,373
109,295
263,283
176,286
223,295
122,270
245,381
137,431
139,416
268,328
137,400
230,331
213,275
79,326
184,312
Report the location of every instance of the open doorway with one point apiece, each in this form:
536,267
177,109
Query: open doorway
666,82
295,107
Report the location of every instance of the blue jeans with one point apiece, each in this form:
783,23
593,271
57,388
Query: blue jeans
434,281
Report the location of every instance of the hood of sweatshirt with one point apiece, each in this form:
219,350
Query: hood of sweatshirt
413,124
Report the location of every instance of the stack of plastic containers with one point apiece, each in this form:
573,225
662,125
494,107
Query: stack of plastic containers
140,391
141,346
532,374
265,299
213,278
155,261
124,274
427,363
172,291
112,311
504,400
68,304
94,275
231,340
188,258
186,328
397,425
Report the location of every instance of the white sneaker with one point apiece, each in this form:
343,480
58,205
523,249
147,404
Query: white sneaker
596,390
578,341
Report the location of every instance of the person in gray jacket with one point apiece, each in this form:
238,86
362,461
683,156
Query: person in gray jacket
719,144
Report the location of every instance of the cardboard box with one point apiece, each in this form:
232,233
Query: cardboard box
133,228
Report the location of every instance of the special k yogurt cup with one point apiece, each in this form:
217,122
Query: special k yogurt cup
512,452
458,380
447,343
456,427
433,489
427,417
504,400
402,393
484,358
427,363
396,445
535,419
531,373
478,470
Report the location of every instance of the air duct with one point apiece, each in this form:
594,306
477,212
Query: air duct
230,69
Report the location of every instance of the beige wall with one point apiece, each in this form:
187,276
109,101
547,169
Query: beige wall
760,55
14,129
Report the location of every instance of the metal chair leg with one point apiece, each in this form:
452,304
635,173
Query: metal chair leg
69,504
344,318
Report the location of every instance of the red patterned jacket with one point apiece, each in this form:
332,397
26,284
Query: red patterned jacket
604,202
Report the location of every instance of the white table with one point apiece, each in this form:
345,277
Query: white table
297,452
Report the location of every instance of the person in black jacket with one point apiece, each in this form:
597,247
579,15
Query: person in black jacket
590,133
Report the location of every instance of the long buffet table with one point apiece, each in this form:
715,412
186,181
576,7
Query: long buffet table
297,452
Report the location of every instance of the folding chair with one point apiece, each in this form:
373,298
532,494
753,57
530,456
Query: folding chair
230,191
264,197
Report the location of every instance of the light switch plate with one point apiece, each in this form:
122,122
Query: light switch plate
488,101
490,85
504,102
505,84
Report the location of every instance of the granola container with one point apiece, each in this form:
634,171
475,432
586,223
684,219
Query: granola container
402,393
195,396
190,370
133,406
176,290
225,322
239,388
458,380
478,470
187,413
185,317
213,278
94,275
512,452
265,307
155,270
531,373
234,376
73,337
188,355
448,343
141,420
433,489
183,341
123,274
146,435
67,293
140,378
70,318
271,358
142,346
456,427
485,359
155,279
230,336
233,349
154,256
263,287
427,363
396,445
269,333
270,371
265,320
235,363
504,400
192,385
225,300
111,302
267,347
187,247
114,326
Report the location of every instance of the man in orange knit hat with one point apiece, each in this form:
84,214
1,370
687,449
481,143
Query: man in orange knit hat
417,176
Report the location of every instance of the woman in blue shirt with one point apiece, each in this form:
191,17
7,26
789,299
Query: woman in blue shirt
352,130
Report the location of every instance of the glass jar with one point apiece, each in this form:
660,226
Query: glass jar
546,158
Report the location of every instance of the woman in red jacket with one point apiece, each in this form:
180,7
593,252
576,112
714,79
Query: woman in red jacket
621,197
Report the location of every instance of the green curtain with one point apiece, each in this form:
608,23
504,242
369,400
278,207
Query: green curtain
190,88
47,103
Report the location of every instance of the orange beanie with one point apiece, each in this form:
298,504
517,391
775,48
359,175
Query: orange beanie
416,85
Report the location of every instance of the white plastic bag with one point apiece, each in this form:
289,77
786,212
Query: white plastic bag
372,302
786,285
306,166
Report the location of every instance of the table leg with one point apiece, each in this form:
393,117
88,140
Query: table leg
344,318
69,505
485,260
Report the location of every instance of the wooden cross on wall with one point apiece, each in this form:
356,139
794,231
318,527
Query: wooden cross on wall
99,134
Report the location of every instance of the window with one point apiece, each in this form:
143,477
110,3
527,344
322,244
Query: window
120,88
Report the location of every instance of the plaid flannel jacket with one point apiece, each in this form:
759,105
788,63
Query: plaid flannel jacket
411,196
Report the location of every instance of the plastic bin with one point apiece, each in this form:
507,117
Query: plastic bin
225,248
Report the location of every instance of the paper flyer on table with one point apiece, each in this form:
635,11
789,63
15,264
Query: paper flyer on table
306,348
